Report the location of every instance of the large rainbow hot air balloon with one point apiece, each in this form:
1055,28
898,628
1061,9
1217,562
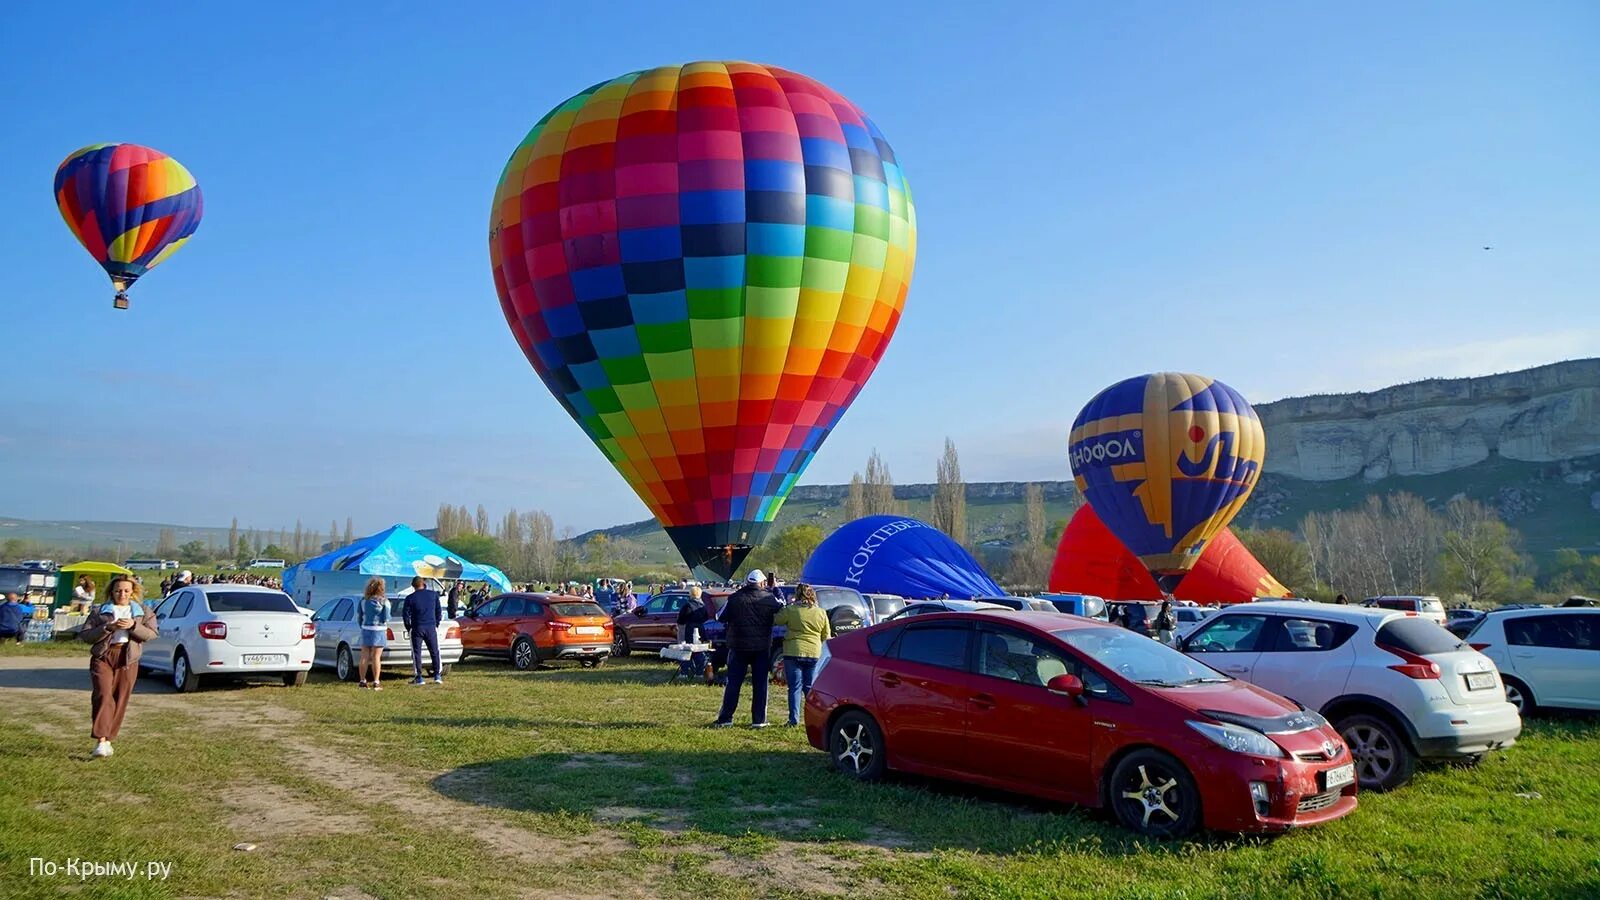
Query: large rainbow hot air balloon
1167,460
705,263
130,206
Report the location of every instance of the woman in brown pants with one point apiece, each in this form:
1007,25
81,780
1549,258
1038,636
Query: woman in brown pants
116,629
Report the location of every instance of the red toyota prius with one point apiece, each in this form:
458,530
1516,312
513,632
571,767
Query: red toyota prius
1074,710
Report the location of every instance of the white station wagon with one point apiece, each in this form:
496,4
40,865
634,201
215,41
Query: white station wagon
229,629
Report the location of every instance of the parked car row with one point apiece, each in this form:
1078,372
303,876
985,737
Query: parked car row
1170,740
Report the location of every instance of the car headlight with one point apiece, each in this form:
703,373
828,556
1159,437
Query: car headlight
821,662
1237,739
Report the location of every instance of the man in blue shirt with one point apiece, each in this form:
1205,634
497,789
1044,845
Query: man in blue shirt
421,618
14,616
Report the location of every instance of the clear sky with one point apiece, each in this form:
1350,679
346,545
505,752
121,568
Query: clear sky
1290,197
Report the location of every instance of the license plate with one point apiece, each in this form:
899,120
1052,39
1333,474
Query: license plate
264,659
588,629
1338,777
1480,681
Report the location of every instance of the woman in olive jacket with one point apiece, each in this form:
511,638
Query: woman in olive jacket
808,627
117,630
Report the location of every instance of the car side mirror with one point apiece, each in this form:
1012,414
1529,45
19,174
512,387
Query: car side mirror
638,610
1066,685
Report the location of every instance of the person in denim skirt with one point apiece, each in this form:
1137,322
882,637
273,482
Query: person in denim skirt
373,617
807,627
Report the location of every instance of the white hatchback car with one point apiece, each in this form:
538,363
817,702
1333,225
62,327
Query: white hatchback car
339,639
229,629
1397,686
1547,657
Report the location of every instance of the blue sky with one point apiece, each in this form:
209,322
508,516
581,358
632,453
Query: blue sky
1291,199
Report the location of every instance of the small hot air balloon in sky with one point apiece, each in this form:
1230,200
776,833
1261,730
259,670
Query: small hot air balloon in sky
1167,460
130,206
704,263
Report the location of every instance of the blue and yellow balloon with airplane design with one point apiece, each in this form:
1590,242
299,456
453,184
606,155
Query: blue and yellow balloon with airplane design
1167,460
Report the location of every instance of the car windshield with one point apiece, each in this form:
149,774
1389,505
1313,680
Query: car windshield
577,609
1419,636
250,601
1138,658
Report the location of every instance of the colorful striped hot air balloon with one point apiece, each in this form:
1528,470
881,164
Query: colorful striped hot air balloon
1167,460
130,206
705,263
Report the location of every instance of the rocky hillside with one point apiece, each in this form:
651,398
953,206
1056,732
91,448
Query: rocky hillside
1549,414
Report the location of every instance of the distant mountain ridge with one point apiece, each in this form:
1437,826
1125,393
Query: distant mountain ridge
1527,442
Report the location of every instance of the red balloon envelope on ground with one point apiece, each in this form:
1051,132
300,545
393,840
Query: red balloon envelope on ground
1091,560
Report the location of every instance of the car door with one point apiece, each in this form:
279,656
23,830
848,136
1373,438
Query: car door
339,627
157,652
1557,655
508,621
920,691
1304,658
477,629
1230,643
663,617
1017,731
170,632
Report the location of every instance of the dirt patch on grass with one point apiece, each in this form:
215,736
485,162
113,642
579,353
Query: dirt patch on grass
792,866
265,810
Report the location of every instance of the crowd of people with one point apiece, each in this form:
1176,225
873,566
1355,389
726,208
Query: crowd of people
185,578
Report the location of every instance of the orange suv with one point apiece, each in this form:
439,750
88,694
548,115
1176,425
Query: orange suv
532,628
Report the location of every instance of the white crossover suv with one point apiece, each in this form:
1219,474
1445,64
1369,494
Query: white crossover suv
229,629
1547,657
1397,686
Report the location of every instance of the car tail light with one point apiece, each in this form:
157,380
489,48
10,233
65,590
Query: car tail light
453,633
307,631
214,631
1414,666
1479,647
560,626
388,633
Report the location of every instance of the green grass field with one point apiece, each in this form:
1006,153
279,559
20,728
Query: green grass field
576,783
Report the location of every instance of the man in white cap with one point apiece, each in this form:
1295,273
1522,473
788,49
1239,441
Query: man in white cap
184,579
748,618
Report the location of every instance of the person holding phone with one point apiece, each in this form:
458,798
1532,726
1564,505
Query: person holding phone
117,631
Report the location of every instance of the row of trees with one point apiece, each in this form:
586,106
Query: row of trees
1398,544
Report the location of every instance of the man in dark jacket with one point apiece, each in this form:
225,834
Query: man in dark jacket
422,621
455,599
748,618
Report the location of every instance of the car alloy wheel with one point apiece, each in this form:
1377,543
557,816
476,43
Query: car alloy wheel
856,746
1517,696
343,665
1382,761
619,644
522,654
1154,795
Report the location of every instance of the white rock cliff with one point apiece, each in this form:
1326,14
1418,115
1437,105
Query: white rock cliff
1545,414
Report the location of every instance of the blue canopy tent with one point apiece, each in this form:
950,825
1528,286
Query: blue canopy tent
396,553
898,555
